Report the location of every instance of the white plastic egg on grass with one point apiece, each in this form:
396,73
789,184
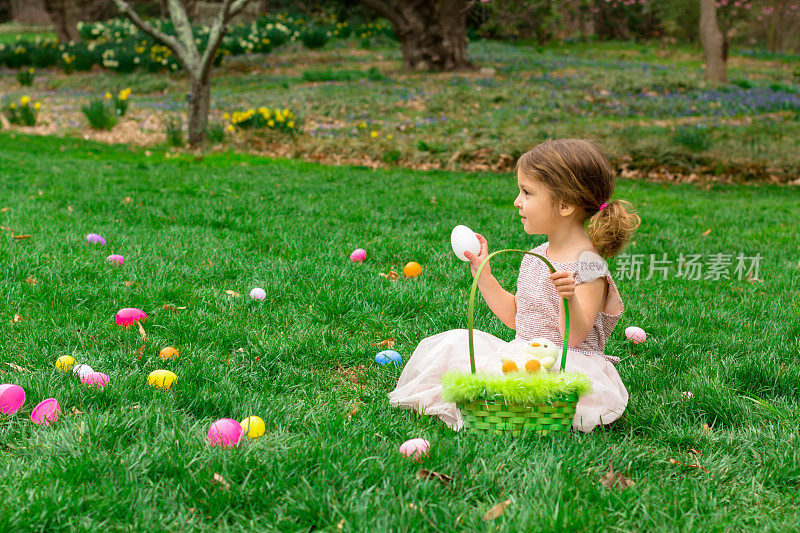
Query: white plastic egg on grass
82,371
463,239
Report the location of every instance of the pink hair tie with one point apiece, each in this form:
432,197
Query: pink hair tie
603,206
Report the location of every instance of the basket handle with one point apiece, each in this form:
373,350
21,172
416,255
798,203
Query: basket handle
471,307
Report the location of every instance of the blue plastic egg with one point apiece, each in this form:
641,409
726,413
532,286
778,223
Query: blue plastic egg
388,356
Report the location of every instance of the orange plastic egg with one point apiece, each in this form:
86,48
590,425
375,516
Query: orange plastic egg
168,353
509,366
532,366
412,270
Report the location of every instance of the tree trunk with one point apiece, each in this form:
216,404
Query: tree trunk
432,33
715,45
64,14
199,100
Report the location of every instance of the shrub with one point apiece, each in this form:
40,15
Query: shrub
99,115
696,137
281,120
25,77
174,130
315,37
215,131
23,113
121,102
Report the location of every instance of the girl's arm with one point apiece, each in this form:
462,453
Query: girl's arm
500,301
585,301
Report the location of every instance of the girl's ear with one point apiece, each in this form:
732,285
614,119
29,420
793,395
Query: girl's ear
565,209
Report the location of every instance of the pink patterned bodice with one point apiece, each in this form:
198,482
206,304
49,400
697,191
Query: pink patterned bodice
538,305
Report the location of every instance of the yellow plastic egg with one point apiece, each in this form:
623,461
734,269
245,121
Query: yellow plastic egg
161,379
254,427
168,353
65,362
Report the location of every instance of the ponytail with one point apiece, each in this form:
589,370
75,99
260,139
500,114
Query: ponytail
611,228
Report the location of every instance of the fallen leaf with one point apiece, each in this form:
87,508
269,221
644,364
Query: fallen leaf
706,232
752,279
706,427
129,283
615,480
41,193
19,368
140,351
696,465
20,237
16,319
126,200
4,209
257,359
141,331
75,411
497,510
173,309
433,199
694,451
386,343
233,293
353,411
219,480
340,525
389,275
31,281
424,473
69,208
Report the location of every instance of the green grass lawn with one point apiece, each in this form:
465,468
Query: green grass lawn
135,458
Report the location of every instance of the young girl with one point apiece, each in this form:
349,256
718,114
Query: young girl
562,184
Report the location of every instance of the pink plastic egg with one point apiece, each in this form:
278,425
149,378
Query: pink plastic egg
358,255
94,238
635,334
415,448
129,315
46,412
12,397
115,258
96,379
225,432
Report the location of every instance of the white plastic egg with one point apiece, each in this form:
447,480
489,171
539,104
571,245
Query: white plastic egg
82,370
463,239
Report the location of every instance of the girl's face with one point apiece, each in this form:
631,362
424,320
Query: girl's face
535,206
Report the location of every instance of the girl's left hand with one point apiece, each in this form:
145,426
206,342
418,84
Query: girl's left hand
564,283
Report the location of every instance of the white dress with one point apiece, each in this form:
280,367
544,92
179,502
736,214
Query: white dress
419,386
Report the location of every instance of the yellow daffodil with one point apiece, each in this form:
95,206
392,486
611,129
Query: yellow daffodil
290,123
12,106
389,136
25,100
373,134
362,125
271,123
225,116
108,96
231,128
30,71
37,106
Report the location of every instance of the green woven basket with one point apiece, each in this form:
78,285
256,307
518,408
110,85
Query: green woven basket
495,415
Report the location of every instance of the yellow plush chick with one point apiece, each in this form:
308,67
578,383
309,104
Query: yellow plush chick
541,351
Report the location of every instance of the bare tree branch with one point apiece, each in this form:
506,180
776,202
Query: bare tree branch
184,30
215,35
168,40
237,6
385,10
